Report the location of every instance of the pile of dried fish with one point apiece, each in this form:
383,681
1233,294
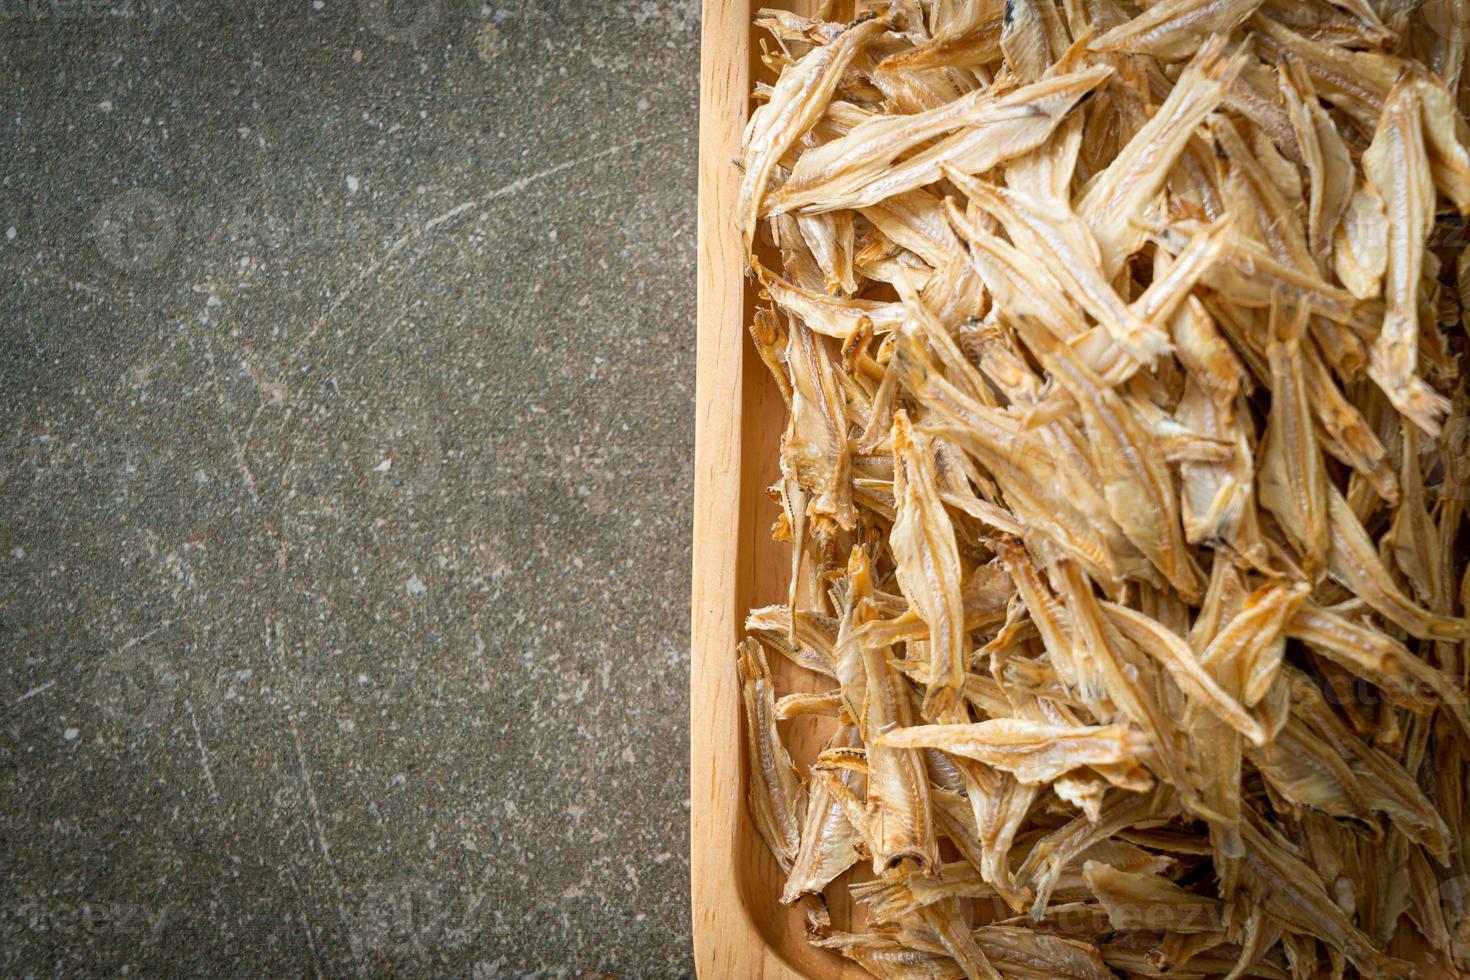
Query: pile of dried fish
1125,484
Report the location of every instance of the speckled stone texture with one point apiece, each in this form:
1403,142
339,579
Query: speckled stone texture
346,380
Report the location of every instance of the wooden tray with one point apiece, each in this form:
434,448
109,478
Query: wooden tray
740,930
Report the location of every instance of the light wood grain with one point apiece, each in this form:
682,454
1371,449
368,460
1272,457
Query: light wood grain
740,929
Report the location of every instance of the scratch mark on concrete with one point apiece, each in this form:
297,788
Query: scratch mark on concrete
505,190
383,333
244,467
254,417
316,957
486,685
520,184
134,641
316,814
321,839
40,689
203,752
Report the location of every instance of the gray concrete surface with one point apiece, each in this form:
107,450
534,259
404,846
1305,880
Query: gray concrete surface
346,377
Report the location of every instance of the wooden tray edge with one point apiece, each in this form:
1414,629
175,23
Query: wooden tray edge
726,940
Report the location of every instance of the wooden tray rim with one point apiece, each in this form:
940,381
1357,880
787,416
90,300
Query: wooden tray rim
727,941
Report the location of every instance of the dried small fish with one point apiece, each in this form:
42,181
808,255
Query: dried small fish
1031,752
899,818
1360,255
1292,482
814,451
1049,232
796,103
971,39
829,842
1150,901
1026,954
1356,564
1136,481
1053,853
776,795
868,169
928,570
1171,652
1397,164
1125,503
887,958
1172,30
1115,200
1294,895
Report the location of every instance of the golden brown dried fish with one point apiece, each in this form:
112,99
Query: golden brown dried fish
1027,479
1132,686
835,316
952,928
888,959
1150,901
800,704
1325,157
898,809
1173,30
991,131
1385,785
1049,232
928,570
829,842
829,238
1174,655
1018,285
1000,804
1344,432
971,39
1116,198
815,448
1356,82
1251,645
1261,202
1117,343
1137,483
1292,482
1360,246
1044,864
806,639
795,105
916,221
903,891
1032,752
1356,564
1397,165
1025,954
1294,895
777,797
